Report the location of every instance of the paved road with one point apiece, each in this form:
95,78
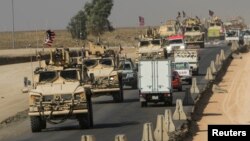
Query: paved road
113,118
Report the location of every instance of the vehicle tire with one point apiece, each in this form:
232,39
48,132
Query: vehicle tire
134,86
36,124
189,81
84,121
202,45
89,106
169,101
118,97
144,104
180,89
44,124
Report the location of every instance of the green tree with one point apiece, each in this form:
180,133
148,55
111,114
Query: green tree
97,13
77,26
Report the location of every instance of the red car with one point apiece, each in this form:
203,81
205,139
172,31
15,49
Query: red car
176,81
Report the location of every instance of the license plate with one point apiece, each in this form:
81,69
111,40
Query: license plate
155,97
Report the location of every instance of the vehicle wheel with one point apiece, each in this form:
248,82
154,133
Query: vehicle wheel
118,97
189,81
84,121
90,109
134,86
202,45
36,124
44,124
144,104
180,89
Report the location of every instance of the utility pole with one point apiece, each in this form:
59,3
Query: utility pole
13,25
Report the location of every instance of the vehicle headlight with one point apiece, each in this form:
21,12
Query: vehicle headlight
80,96
113,78
159,53
34,98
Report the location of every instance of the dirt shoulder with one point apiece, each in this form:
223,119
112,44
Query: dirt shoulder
231,107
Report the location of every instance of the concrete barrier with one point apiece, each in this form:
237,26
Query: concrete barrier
161,133
194,88
121,137
88,138
212,67
209,75
222,55
179,113
218,62
168,121
188,99
147,134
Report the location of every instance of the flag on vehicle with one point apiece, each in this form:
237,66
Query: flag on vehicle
183,14
211,13
50,36
141,21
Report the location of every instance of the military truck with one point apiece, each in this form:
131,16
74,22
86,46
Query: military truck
105,78
58,94
150,47
171,27
194,32
215,29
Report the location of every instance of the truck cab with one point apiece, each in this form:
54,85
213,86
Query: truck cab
175,42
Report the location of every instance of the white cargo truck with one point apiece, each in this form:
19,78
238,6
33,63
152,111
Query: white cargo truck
155,81
188,55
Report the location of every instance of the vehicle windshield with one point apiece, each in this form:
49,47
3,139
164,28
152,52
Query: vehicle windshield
188,29
69,74
196,28
231,34
144,43
107,62
181,66
178,41
156,42
47,76
125,65
90,62
170,29
247,32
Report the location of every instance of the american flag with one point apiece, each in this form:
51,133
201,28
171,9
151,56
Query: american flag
141,21
50,36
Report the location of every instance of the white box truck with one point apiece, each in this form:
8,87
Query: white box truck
188,55
155,81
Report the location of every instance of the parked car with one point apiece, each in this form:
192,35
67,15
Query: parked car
176,81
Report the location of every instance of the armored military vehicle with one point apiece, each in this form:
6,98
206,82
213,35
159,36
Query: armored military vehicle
105,78
58,93
215,29
194,32
171,27
150,47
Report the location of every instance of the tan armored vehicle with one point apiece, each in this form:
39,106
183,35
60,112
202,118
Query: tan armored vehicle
58,93
170,28
105,77
215,29
150,47
194,32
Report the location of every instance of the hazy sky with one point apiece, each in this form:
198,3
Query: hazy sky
55,14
